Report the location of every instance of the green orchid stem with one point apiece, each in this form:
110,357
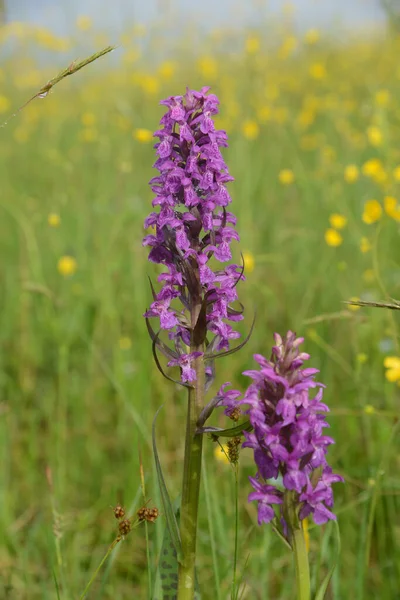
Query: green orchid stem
191,483
301,563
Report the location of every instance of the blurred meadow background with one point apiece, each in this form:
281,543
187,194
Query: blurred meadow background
313,117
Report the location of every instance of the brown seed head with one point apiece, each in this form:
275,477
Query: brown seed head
119,512
233,449
141,513
152,514
147,514
124,527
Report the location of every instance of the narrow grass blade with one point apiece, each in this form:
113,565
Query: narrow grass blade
70,70
320,595
56,585
395,305
168,509
146,525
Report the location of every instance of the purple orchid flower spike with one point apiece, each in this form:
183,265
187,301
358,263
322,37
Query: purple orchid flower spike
288,438
193,228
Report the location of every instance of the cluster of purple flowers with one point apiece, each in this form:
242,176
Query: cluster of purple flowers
192,228
287,437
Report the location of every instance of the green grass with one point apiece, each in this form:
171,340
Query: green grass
74,402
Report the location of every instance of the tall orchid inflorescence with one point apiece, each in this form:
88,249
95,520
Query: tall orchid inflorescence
192,239
288,438
192,228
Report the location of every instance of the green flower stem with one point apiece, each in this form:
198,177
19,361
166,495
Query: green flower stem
191,481
103,560
301,563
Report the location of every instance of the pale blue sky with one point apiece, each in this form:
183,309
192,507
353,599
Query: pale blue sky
115,15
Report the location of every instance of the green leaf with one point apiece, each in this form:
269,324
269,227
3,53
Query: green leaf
216,432
172,524
320,595
166,584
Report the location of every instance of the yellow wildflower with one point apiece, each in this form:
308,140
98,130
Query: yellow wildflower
250,129
369,275
252,44
167,69
396,173
67,265
89,134
369,410
328,154
354,307
264,113
351,173
149,84
88,119
46,39
380,177
374,135
248,262
392,364
338,221
312,36
289,44
4,104
208,67
125,343
286,176
140,30
361,358
372,212
382,97
318,71
143,135
306,118
333,238
221,454
371,167
131,56
84,23
21,134
365,245
54,220
392,207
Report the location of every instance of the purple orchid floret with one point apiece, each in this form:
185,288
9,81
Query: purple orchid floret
228,398
192,228
288,432
185,362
